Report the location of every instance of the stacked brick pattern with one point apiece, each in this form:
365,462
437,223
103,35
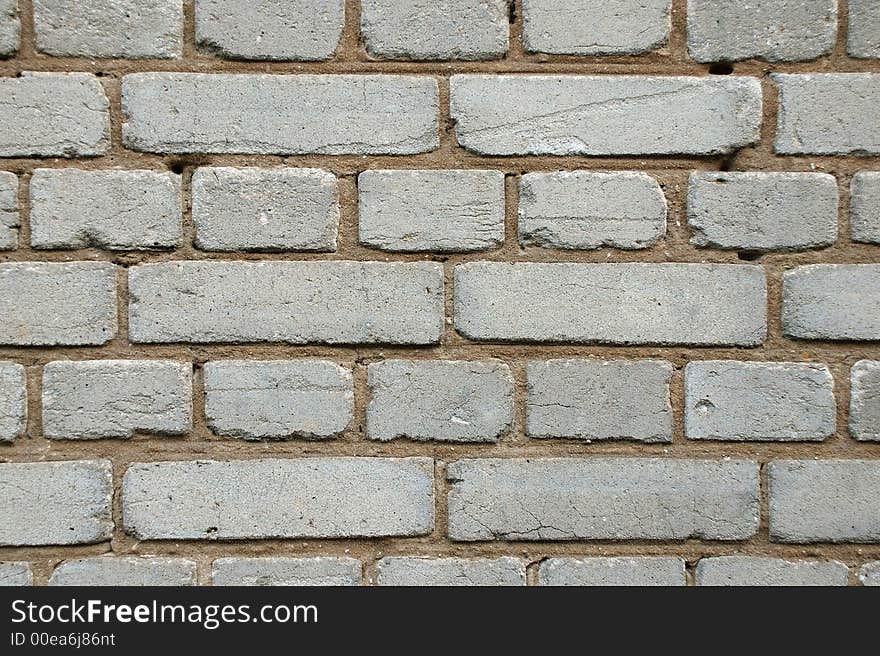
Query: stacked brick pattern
478,292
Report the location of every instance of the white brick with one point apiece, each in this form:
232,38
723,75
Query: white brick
13,401
319,571
612,571
864,29
125,571
758,571
469,572
10,27
12,573
864,406
869,574
9,217
864,221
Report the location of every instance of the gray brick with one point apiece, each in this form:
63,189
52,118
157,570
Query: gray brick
117,210
599,400
307,497
772,30
832,301
319,571
864,404
762,211
253,209
116,398
301,30
864,221
13,573
604,115
470,572
864,29
453,401
290,302
133,29
54,303
869,573
55,502
758,571
9,218
824,500
611,303
280,114
602,499
278,399
53,115
424,29
612,571
828,114
431,210
759,401
583,209
595,27
13,401
10,27
125,571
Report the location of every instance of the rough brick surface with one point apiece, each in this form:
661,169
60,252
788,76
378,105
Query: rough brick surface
59,503
424,29
49,303
750,570
320,571
292,302
864,221
831,301
9,218
869,574
309,497
451,571
10,27
607,27
116,398
762,211
278,399
824,500
602,499
604,115
453,401
118,210
743,401
125,571
611,303
15,573
864,29
864,407
599,400
304,30
13,401
431,210
279,114
580,209
255,209
605,571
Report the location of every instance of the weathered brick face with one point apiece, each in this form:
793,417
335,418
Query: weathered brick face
405,292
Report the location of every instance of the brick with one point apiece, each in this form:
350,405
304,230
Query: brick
585,210
599,400
759,571
117,210
831,301
454,401
289,302
56,502
864,404
772,30
606,27
864,29
53,115
280,114
470,572
604,115
423,29
54,303
762,211
602,499
297,30
10,27
824,501
869,573
125,571
759,401
13,401
131,29
308,497
116,398
828,114
611,303
12,573
278,399
445,211
254,209
9,218
864,220
612,571
320,571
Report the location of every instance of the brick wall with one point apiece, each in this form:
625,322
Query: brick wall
406,292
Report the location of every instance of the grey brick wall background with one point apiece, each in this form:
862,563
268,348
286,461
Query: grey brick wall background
407,292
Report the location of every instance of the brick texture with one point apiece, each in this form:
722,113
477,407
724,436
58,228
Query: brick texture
125,571
639,571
